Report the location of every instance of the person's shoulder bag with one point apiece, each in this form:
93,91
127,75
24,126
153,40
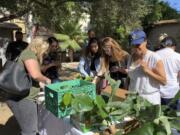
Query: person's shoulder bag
14,80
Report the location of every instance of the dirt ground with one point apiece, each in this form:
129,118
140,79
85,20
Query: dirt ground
8,123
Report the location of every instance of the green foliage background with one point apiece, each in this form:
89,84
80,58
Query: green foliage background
115,18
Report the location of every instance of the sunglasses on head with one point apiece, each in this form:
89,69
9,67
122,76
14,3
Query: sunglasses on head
167,42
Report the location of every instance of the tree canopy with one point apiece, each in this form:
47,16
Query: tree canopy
115,18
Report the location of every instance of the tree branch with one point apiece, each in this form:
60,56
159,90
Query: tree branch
64,1
40,4
13,16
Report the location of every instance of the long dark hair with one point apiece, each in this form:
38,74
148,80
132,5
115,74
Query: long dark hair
88,52
51,40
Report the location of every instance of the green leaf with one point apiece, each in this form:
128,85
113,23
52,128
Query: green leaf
146,129
61,37
121,117
82,103
74,45
101,112
67,98
114,104
114,85
119,133
150,113
101,106
117,112
71,43
88,78
178,114
175,98
160,133
100,102
166,124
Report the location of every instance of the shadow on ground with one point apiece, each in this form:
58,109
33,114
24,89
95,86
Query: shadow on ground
10,128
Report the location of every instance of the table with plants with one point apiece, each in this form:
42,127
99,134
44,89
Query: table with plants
76,100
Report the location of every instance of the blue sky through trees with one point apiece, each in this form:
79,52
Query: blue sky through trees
174,3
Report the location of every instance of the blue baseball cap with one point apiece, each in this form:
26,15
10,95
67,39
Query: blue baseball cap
137,37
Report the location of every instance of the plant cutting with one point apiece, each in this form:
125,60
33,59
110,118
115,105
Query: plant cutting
147,119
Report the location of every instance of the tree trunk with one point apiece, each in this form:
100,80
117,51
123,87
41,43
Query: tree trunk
71,54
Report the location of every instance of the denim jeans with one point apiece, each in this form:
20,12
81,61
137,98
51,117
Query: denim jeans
166,101
25,112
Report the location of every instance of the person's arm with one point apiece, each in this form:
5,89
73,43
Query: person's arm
33,69
8,51
101,72
81,67
122,69
44,68
158,73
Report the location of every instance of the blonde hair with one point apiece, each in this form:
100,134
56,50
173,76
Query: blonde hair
118,54
39,46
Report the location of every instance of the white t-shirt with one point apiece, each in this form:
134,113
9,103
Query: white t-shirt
141,82
171,61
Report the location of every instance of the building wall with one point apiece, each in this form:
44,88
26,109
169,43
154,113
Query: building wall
171,29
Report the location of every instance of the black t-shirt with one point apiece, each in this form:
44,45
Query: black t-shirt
92,67
116,75
14,49
51,72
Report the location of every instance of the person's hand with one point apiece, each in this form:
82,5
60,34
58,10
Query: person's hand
43,84
56,63
123,70
48,81
114,69
95,79
53,64
144,66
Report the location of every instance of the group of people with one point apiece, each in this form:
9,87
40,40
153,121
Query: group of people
154,75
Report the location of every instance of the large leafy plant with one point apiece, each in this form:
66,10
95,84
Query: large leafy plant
147,119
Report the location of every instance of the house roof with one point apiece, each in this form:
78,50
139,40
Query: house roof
10,26
172,21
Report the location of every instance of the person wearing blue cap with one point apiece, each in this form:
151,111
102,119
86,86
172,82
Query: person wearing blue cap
145,69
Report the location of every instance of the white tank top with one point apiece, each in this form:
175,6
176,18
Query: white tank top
141,82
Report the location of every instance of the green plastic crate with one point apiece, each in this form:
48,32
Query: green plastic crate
53,94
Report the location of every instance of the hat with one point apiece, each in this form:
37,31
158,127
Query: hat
137,37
